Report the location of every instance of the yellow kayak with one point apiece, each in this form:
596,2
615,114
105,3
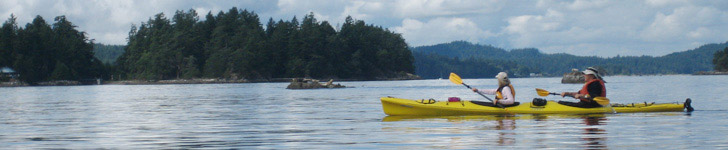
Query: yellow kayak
407,107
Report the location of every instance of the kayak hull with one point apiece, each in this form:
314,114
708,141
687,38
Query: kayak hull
407,107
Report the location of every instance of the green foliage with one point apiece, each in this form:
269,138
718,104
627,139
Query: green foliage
235,45
61,72
720,59
8,42
42,52
108,53
438,66
532,61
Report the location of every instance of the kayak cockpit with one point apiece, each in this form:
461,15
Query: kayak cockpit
489,104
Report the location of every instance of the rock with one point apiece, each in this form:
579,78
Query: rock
409,76
575,76
59,83
13,83
710,73
299,83
400,76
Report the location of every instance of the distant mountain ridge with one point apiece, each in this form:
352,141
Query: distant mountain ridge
108,53
531,60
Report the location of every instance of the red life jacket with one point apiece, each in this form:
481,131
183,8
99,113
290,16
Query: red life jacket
584,90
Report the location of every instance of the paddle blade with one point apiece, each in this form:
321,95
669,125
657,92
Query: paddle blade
542,92
602,101
454,78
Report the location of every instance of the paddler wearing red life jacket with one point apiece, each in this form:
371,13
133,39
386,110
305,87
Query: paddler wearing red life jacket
505,94
594,87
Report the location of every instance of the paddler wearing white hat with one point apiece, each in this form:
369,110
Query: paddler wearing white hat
594,87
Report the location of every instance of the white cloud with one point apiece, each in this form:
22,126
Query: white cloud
585,4
528,30
685,22
361,9
441,30
662,3
429,8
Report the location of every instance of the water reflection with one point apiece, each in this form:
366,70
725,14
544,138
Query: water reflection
505,125
593,135
588,131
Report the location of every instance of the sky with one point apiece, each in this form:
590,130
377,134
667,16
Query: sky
603,28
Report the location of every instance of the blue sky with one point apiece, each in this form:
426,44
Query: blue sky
601,27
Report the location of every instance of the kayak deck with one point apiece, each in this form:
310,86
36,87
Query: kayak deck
407,107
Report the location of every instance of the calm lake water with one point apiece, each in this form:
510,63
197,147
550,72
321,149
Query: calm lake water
267,116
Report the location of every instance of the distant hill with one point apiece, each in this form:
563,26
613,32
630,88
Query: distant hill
108,53
531,60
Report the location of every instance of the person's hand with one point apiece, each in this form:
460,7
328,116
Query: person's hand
577,96
563,94
475,89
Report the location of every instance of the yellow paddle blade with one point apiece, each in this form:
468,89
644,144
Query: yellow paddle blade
454,78
602,100
542,92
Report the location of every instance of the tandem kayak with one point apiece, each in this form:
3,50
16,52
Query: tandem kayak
408,107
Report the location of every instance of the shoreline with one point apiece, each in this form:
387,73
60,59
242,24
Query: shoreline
273,80
183,81
710,73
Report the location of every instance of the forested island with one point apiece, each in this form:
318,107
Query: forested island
235,45
229,45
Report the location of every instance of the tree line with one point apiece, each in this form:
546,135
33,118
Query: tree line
235,45
432,66
42,52
720,59
533,61
232,45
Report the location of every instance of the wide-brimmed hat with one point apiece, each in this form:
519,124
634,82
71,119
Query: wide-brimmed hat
594,72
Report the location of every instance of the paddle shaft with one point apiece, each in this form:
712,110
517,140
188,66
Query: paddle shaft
601,100
560,94
486,97
454,78
481,94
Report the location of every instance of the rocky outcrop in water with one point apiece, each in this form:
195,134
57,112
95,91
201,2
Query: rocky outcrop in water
300,83
575,76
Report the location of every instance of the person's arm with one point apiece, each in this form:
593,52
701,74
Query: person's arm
508,97
485,91
564,94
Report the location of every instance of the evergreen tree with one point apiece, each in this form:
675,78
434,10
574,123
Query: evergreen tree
720,60
62,72
235,45
35,54
43,52
8,42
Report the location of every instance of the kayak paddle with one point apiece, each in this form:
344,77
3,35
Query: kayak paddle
542,92
454,78
601,100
